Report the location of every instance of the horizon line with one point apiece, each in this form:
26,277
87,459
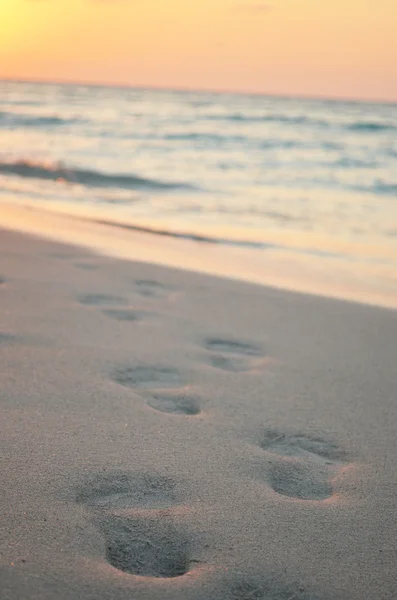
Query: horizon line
182,89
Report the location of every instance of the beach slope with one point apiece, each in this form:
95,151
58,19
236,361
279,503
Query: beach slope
178,436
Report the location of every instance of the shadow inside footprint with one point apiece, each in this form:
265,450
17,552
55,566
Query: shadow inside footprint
6,338
152,289
101,300
121,489
226,363
315,449
266,588
232,355
66,256
145,548
175,404
300,480
231,347
86,266
306,465
148,377
132,316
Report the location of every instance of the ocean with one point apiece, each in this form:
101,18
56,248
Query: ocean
311,179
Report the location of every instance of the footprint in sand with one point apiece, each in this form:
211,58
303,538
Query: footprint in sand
127,315
102,300
273,586
304,482
305,465
119,314
261,588
149,547
6,338
2,280
232,355
86,266
175,404
162,388
146,547
302,446
145,377
121,489
66,256
150,288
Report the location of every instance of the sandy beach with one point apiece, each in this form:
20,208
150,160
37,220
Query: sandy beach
174,435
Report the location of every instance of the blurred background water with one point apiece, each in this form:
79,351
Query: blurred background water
309,177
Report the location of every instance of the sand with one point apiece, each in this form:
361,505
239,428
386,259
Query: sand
178,436
372,284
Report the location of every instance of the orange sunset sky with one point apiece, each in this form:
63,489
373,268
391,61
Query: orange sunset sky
345,48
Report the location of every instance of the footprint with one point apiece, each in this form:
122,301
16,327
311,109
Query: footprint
267,589
229,364
148,377
86,266
6,338
315,449
126,315
148,548
232,355
121,489
175,404
65,256
231,346
305,467
152,289
101,300
2,280
301,481
151,379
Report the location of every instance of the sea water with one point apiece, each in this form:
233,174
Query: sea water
307,178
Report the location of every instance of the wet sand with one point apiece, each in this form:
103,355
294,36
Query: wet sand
271,266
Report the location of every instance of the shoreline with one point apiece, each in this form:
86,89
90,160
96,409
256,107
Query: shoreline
270,267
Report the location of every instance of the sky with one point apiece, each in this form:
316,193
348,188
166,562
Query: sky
333,48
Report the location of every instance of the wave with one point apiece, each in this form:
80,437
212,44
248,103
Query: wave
24,102
346,162
8,119
379,187
194,237
204,137
285,144
367,126
359,126
216,138
276,118
382,187
201,238
59,172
